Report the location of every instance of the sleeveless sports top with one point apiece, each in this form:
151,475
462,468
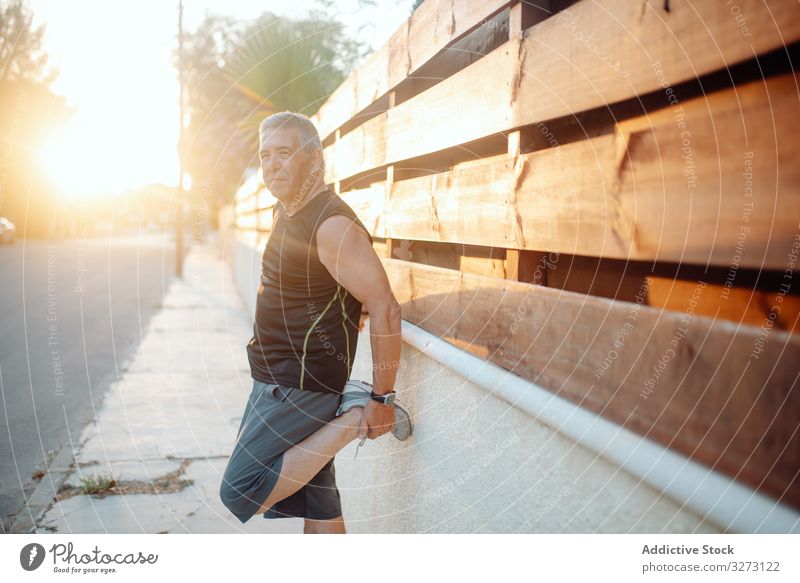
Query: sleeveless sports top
306,324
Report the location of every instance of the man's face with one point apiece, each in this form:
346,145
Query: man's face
285,167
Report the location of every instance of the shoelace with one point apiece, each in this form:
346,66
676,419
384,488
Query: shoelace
363,439
360,443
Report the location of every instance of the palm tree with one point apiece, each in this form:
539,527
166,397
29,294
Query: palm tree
240,75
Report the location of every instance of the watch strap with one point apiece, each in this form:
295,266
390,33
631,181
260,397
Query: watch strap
380,398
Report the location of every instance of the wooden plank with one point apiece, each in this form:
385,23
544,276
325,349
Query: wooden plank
461,53
389,184
561,68
246,205
455,206
434,25
614,50
417,131
465,258
724,395
250,186
261,241
436,254
264,222
368,204
491,264
247,237
593,276
265,199
627,195
364,148
521,17
337,186
513,261
529,266
734,295
247,221
751,307
381,249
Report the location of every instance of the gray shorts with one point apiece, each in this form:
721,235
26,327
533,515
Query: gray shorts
276,418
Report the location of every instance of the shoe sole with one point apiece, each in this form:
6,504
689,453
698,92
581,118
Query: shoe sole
403,427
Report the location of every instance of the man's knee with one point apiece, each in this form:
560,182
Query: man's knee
244,491
244,503
235,501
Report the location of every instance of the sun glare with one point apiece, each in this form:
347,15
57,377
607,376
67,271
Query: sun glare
84,160
65,158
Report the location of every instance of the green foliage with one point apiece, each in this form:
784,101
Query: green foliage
97,484
21,55
239,73
282,64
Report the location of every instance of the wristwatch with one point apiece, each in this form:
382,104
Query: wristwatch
386,399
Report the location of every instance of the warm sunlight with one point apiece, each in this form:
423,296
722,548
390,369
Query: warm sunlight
124,92
90,160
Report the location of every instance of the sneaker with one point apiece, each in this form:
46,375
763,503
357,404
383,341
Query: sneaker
357,394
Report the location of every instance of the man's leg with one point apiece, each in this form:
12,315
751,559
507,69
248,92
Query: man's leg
301,462
332,526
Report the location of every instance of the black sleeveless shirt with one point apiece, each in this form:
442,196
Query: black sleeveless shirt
306,327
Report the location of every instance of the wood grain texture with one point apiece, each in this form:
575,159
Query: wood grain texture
433,26
588,56
368,204
737,305
724,395
714,182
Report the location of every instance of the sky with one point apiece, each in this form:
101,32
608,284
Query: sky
121,81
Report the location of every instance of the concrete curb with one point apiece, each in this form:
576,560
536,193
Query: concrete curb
179,399
43,496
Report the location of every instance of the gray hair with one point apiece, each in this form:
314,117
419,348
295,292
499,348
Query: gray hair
309,136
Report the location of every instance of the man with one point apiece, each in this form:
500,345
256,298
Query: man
318,269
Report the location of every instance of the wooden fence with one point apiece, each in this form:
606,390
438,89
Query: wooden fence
600,196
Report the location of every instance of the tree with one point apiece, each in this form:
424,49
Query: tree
28,112
213,151
296,65
22,57
238,74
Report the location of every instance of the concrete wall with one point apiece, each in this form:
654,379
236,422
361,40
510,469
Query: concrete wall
246,268
477,463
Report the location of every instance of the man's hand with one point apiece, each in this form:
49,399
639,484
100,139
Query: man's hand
376,420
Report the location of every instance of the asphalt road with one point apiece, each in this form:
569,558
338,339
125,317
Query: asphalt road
71,315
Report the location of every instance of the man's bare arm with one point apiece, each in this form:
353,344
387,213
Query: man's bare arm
346,252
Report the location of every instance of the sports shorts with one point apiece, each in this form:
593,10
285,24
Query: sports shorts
276,418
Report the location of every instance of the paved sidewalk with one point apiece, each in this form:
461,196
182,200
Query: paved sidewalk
160,441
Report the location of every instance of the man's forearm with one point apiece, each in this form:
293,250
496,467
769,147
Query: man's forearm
385,335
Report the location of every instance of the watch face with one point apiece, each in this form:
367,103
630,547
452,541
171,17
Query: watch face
387,399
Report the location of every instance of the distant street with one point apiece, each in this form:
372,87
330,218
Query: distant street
71,315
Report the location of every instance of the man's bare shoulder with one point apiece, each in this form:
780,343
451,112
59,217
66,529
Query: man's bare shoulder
347,253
